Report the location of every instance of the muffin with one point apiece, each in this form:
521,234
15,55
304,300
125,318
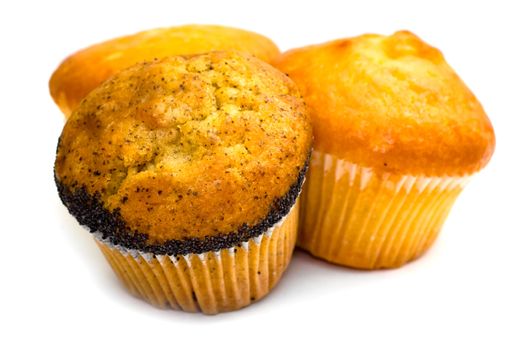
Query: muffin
187,170
397,135
83,71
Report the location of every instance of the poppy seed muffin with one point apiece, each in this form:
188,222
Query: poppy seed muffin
187,170
397,135
84,70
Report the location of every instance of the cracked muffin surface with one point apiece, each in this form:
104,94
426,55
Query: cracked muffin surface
187,146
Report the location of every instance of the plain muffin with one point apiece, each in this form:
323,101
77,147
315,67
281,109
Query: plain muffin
397,135
187,171
83,71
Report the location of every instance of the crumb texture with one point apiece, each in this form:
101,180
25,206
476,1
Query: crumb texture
187,147
83,71
391,103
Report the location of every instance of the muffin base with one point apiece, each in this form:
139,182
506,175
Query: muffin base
357,217
211,282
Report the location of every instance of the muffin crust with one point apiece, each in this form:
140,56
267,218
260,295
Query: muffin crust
391,103
83,71
91,213
206,148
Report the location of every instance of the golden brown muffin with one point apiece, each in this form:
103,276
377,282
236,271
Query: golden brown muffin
188,156
391,103
83,71
397,133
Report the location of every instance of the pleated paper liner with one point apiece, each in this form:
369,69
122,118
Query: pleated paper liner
210,282
352,216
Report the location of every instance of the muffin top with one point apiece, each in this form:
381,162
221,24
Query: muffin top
185,148
391,103
83,71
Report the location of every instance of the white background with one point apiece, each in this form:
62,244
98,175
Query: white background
56,290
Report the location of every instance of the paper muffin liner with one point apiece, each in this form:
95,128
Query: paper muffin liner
354,216
211,282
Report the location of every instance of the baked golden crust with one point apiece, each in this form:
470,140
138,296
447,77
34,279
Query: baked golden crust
187,147
83,71
391,103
